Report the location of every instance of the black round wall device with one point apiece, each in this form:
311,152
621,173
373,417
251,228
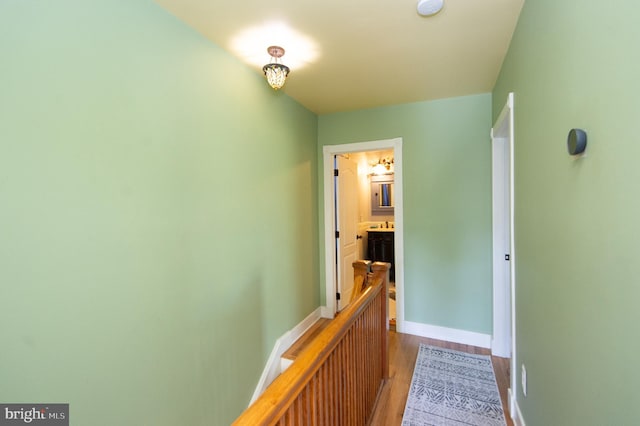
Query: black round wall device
576,141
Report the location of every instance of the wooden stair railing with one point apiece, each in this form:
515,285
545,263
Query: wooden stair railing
337,378
360,278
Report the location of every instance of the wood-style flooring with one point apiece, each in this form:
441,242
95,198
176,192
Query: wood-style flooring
403,350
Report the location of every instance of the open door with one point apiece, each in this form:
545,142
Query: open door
501,344
346,226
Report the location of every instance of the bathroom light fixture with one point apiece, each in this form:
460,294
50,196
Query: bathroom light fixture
382,167
276,72
429,7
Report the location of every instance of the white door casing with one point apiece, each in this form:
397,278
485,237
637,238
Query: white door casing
329,218
347,226
504,283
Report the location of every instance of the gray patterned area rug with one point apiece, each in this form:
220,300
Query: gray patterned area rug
451,388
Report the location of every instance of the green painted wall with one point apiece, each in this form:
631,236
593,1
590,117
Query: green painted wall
158,215
575,64
447,202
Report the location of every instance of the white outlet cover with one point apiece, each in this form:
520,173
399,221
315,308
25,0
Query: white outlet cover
524,380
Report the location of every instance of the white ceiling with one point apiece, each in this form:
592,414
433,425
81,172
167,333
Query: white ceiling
354,54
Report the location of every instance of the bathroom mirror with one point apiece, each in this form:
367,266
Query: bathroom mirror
382,195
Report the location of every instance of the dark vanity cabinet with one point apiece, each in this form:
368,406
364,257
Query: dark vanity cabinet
380,248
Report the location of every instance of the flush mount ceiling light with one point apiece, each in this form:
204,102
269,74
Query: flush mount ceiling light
276,72
429,7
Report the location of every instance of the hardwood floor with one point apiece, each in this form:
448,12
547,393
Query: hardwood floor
403,350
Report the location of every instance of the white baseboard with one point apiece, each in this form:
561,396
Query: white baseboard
273,367
516,414
325,312
285,363
500,350
448,334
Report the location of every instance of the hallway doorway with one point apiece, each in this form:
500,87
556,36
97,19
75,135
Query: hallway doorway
379,214
504,278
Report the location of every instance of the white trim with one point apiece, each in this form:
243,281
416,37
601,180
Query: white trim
329,223
329,239
502,228
325,312
448,334
285,363
505,118
514,408
512,140
274,366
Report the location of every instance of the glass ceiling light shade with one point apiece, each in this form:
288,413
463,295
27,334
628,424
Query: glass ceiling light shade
429,7
276,72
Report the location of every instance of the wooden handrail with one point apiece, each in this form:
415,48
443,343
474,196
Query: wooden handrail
336,379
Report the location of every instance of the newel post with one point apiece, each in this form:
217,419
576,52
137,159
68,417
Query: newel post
360,273
381,269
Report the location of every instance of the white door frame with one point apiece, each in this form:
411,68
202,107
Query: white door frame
329,217
504,288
